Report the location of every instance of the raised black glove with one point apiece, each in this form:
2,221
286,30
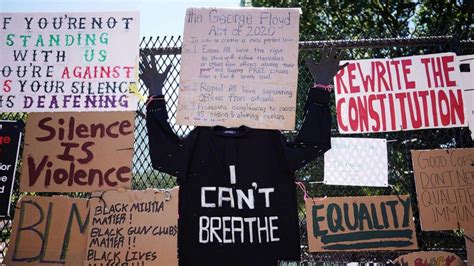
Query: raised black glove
323,74
150,76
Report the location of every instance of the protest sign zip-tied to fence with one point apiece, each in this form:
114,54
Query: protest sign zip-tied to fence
10,140
406,93
444,182
239,67
467,75
133,228
77,152
360,223
356,162
48,231
424,258
59,62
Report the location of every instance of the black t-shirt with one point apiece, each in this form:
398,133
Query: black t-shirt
237,200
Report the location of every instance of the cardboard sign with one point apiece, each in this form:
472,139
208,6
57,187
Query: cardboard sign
356,162
360,223
406,93
466,66
469,238
133,228
48,230
429,258
58,62
10,139
77,152
239,67
444,182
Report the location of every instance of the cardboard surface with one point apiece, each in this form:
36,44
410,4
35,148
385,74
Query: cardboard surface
360,223
356,162
467,75
77,152
405,93
48,231
445,188
137,227
239,67
69,61
10,139
430,258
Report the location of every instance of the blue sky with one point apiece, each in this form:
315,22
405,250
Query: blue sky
157,17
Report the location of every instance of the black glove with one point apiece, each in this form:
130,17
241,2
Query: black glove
150,76
323,74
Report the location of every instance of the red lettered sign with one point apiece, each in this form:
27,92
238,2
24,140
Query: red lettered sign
360,223
406,93
10,139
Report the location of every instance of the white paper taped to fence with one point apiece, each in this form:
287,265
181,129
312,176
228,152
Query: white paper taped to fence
356,162
57,62
466,64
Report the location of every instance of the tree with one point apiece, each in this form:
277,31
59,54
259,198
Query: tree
326,20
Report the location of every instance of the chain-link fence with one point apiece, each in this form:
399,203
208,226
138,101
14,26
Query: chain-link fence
168,50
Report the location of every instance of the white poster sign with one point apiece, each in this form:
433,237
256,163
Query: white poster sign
56,62
239,67
467,74
356,162
406,93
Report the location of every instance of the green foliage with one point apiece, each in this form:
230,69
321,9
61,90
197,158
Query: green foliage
326,20
445,18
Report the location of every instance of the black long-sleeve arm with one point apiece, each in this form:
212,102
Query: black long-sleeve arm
314,136
167,150
170,154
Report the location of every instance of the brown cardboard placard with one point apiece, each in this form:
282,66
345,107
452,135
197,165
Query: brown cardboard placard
429,258
137,227
444,182
48,230
360,223
239,67
77,152
469,238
